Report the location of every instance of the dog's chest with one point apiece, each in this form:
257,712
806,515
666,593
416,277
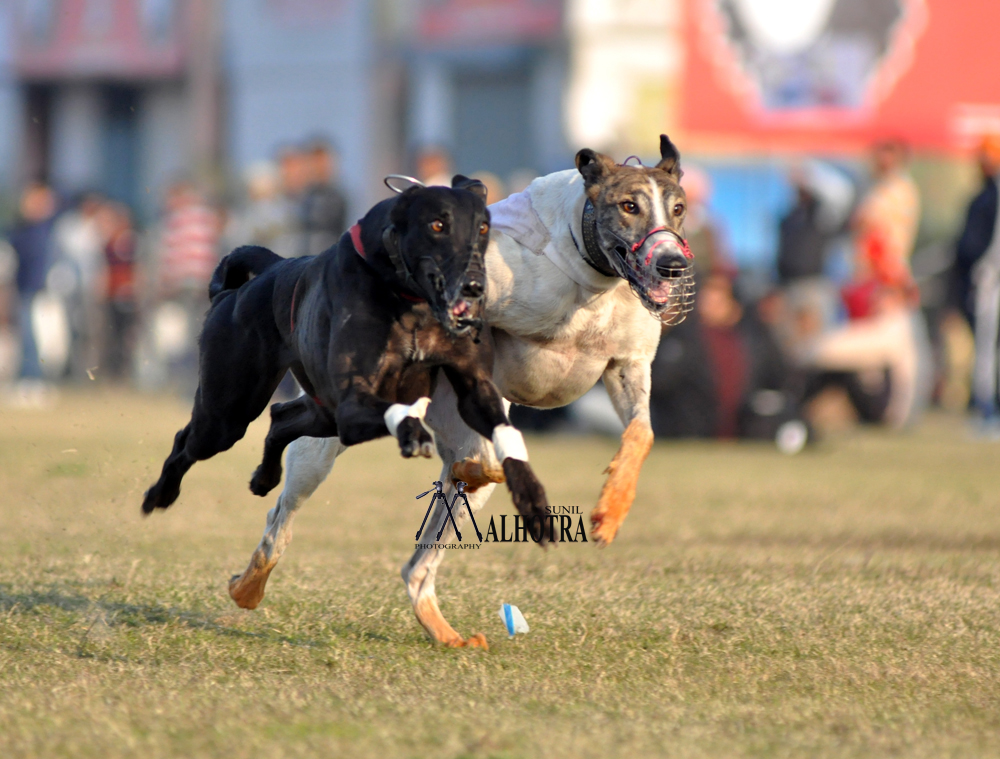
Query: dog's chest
558,365
415,346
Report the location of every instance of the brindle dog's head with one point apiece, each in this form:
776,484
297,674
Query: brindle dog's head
437,239
636,227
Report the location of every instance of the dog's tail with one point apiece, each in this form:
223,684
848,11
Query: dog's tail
239,266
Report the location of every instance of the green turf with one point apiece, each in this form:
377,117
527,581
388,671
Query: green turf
841,603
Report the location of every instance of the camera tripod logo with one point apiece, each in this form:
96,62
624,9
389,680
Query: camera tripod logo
439,493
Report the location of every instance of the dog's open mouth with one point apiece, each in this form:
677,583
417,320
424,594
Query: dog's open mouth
462,317
673,286
667,293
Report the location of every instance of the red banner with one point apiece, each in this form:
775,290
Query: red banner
834,75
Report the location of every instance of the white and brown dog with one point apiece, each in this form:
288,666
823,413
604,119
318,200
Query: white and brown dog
583,269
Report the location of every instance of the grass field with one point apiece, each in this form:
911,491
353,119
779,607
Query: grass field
841,603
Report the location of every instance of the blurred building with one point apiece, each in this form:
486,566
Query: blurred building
116,95
121,95
487,82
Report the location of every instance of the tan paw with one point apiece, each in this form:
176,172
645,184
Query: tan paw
476,641
247,589
603,526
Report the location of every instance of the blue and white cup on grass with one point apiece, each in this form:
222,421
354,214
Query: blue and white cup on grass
513,620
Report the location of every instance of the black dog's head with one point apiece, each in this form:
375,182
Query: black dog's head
437,239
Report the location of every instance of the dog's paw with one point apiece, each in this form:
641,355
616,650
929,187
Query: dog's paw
603,526
263,482
158,497
414,439
530,499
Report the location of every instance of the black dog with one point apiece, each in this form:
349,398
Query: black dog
365,327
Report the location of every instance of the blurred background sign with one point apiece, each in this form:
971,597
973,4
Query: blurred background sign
834,75
467,22
123,95
117,39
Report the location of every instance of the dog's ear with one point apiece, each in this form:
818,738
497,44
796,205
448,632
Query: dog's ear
460,182
401,208
390,239
593,166
670,158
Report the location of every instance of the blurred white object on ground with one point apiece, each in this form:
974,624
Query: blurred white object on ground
513,620
792,437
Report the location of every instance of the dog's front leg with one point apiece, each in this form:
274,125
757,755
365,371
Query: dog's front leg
302,417
362,417
481,407
628,387
309,462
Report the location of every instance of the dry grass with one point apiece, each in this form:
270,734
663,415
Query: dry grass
842,603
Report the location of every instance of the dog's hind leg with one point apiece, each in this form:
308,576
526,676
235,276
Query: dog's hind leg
166,489
309,462
203,437
454,440
238,373
420,572
301,417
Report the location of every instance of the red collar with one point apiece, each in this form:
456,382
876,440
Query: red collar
360,249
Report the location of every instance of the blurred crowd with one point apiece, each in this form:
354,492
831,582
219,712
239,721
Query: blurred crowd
854,323
88,296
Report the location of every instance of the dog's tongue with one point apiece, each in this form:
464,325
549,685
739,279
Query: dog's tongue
461,308
661,293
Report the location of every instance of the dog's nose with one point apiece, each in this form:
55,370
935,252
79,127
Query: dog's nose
671,265
472,289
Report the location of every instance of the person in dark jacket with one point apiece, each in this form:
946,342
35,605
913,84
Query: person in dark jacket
977,265
31,239
801,241
324,207
721,374
980,220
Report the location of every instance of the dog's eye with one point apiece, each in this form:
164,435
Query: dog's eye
629,207
678,209
437,225
484,228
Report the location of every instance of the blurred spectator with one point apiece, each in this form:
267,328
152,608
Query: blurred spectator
294,171
264,218
188,248
801,239
323,211
978,274
31,239
80,253
187,255
823,201
434,166
885,224
115,224
721,374
883,352
702,235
